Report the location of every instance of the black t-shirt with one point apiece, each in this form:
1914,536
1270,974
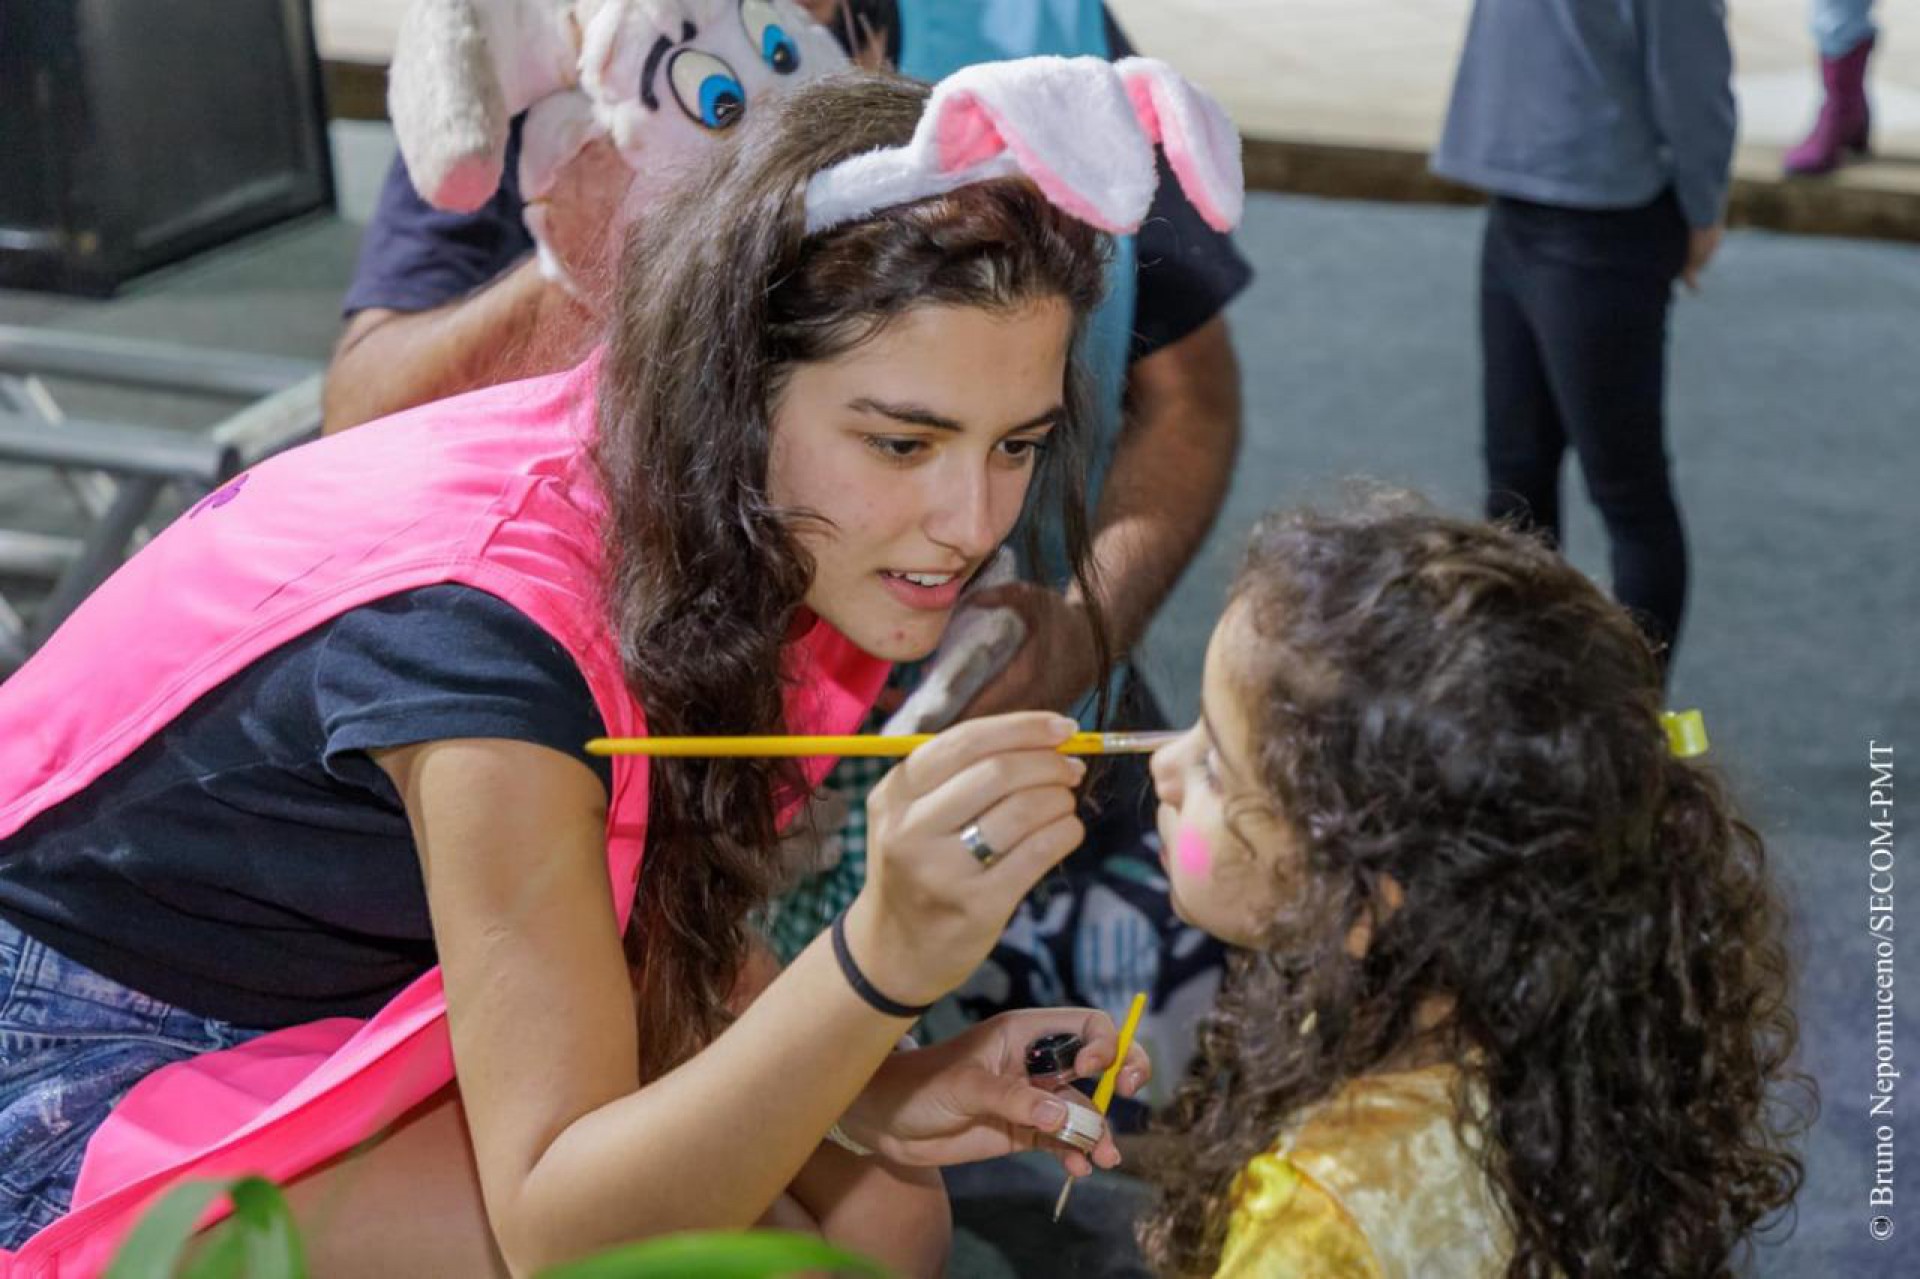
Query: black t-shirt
415,257
250,861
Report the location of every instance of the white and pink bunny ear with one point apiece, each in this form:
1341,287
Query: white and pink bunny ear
461,69
1065,123
1075,127
1201,143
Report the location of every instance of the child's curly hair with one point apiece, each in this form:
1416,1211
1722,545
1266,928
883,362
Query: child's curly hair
1449,704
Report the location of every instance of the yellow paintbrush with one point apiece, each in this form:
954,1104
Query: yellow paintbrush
1103,1091
1684,728
852,744
1685,731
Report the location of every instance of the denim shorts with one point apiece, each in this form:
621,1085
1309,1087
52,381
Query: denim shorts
72,1043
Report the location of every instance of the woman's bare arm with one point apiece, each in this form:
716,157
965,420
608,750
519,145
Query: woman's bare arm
574,1155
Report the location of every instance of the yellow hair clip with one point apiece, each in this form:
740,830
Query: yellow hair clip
1686,733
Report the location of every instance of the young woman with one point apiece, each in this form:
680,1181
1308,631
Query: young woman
1512,999
306,873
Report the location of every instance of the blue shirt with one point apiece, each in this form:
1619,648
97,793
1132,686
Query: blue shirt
1595,104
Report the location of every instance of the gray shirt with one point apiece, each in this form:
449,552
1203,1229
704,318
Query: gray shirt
1595,104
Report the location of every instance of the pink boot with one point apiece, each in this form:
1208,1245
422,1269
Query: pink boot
1844,117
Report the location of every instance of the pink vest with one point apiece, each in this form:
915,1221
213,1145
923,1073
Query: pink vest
493,490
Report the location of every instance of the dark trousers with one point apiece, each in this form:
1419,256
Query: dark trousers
1573,331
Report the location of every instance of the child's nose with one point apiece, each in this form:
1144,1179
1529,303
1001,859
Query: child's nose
1165,768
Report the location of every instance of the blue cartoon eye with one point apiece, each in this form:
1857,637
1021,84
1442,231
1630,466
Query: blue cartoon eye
706,89
781,53
765,33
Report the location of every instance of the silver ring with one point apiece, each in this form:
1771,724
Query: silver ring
983,852
1083,1129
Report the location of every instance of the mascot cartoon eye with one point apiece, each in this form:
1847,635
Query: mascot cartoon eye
706,89
765,33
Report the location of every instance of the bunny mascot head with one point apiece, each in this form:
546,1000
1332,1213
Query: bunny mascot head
656,78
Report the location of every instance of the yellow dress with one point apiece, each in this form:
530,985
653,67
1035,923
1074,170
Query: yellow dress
1373,1184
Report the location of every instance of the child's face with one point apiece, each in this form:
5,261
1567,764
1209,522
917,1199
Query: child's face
1223,840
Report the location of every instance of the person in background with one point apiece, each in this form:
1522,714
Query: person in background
1843,31
1604,135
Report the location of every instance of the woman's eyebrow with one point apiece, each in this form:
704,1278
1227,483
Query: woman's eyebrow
1051,419
911,414
920,415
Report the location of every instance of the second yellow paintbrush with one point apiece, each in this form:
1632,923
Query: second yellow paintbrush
1103,1091
851,744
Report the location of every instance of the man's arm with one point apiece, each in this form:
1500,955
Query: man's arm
1169,476
386,360
443,303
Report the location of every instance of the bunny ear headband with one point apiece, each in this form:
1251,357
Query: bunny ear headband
1081,129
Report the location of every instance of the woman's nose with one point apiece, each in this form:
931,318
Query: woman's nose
963,515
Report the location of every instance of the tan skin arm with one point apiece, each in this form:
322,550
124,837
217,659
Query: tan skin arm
519,325
573,1154
385,361
1170,473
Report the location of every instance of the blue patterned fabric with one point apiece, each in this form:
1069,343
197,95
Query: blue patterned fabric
72,1043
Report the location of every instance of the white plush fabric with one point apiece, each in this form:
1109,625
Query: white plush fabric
1202,146
463,68
1082,129
978,643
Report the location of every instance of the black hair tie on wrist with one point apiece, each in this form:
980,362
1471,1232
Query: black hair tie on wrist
858,980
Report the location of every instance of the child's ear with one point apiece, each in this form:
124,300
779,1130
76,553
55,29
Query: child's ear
1388,897
1360,936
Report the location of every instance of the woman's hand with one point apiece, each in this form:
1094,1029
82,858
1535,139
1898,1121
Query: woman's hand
933,906
968,1098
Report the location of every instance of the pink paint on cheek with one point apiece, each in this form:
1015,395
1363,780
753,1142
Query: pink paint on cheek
1193,852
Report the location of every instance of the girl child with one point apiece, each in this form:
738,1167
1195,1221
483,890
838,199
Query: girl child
1513,992
306,873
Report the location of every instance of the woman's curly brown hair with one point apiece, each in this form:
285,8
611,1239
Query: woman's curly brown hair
1449,704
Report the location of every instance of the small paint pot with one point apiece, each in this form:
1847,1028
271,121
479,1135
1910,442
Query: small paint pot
1083,1129
1050,1059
